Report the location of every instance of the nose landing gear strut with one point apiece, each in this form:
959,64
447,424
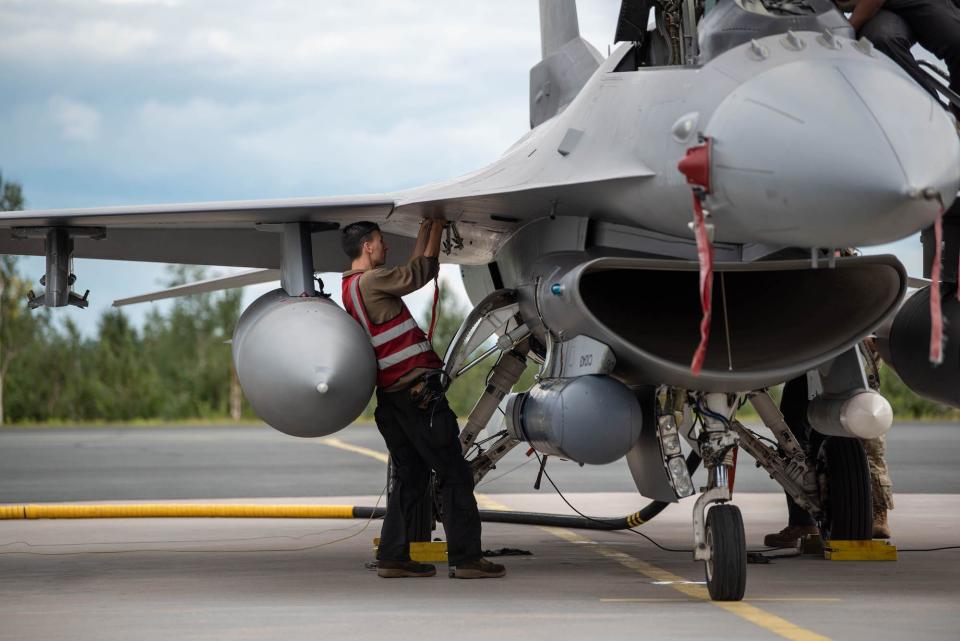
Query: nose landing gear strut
718,535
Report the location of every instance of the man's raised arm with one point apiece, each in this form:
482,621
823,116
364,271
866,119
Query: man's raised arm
433,243
863,11
422,236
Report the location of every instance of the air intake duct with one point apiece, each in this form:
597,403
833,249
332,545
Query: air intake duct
772,320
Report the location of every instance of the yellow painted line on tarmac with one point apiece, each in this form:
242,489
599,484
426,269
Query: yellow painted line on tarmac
488,503
751,613
799,599
650,600
754,600
357,449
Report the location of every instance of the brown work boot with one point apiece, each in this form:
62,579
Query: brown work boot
789,537
404,569
479,569
881,529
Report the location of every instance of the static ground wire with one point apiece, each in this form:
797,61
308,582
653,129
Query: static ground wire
689,550
646,536
479,450
500,476
589,518
946,547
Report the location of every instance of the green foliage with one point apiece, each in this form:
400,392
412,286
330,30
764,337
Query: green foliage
178,367
906,404
189,349
18,327
11,195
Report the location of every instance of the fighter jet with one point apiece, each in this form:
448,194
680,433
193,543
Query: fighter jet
669,241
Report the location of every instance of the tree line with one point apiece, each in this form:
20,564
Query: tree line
178,365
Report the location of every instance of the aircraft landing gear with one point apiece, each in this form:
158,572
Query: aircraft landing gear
718,535
497,314
845,490
726,568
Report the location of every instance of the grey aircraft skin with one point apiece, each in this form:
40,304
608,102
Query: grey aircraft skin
578,250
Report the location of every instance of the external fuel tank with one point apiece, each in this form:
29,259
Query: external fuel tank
305,365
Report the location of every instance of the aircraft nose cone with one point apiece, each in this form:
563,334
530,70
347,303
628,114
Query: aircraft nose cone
831,154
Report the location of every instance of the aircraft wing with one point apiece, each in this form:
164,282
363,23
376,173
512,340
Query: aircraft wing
231,233
224,213
487,207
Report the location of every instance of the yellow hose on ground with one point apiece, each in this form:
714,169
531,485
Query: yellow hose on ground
175,510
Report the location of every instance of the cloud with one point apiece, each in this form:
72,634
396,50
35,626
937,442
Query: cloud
89,40
77,121
165,3
138,101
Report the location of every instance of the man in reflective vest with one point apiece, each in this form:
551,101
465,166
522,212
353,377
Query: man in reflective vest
412,414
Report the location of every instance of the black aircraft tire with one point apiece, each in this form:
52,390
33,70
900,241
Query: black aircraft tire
727,568
850,504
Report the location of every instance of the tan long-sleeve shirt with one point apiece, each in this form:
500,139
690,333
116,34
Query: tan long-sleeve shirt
381,289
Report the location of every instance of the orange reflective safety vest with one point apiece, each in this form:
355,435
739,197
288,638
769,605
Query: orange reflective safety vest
400,344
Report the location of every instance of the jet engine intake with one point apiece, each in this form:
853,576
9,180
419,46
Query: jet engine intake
904,345
771,321
305,365
587,419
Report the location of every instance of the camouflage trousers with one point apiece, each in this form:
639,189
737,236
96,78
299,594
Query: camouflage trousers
876,448
880,485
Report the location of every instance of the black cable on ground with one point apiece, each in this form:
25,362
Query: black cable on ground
581,522
946,547
635,514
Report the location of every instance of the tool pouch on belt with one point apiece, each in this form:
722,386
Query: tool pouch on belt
427,388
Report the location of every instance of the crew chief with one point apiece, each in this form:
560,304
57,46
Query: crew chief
893,26
412,414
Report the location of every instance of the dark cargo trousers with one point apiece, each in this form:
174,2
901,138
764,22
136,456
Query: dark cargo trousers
420,440
793,406
934,24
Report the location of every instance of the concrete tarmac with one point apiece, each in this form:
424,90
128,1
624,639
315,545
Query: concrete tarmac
78,464
305,579
295,579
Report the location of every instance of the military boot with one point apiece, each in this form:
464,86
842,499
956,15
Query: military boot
881,529
789,537
404,569
479,569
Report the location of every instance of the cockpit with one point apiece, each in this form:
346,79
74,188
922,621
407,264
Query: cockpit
692,32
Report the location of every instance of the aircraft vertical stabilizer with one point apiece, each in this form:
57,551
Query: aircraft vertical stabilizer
558,25
568,61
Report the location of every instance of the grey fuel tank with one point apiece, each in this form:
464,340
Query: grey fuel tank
588,419
305,365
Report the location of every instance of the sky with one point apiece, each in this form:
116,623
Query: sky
109,102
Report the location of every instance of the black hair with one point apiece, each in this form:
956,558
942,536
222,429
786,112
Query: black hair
355,235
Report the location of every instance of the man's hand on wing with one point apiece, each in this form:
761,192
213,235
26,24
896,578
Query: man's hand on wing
433,243
422,237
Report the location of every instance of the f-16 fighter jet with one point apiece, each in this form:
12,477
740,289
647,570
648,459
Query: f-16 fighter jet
664,244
